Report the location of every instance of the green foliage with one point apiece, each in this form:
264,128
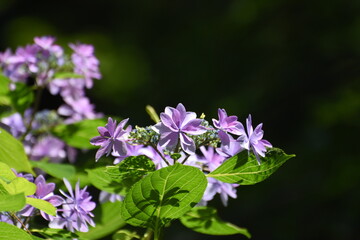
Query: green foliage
4,90
56,234
119,178
12,152
10,232
163,195
107,220
79,134
42,205
57,170
244,169
125,235
21,97
64,75
12,203
205,220
19,185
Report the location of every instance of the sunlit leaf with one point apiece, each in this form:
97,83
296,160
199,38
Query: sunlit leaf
163,195
12,203
42,205
11,232
12,153
244,169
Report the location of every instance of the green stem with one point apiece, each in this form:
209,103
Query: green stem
157,233
34,110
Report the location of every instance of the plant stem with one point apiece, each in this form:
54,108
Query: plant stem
34,110
22,224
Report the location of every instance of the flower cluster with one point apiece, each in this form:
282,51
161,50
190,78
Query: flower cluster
182,137
44,66
73,212
76,210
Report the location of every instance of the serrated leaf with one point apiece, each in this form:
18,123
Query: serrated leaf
21,97
119,178
79,134
205,220
12,203
163,195
57,170
42,205
244,169
12,153
10,232
107,220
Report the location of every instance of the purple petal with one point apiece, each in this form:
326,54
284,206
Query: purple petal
98,140
187,144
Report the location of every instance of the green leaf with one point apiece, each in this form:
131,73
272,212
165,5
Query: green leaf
56,234
12,153
79,134
42,205
10,232
22,97
244,169
163,195
63,75
4,90
205,220
12,203
19,185
6,173
119,178
57,170
125,235
107,219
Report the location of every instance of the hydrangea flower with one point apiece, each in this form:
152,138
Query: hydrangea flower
78,110
85,62
228,123
225,190
254,141
175,124
44,191
76,213
112,138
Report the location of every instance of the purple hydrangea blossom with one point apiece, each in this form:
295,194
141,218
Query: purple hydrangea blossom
85,62
211,158
44,191
175,124
76,212
253,141
230,146
69,88
224,189
228,123
109,197
78,110
113,138
50,147
15,123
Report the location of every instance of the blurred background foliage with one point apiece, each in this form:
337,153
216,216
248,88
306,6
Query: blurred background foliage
294,65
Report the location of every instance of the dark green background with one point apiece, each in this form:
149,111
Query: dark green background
294,65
